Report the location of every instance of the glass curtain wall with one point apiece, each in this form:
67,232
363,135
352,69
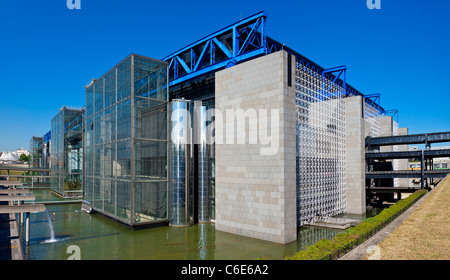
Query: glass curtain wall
66,152
36,151
46,150
73,154
126,142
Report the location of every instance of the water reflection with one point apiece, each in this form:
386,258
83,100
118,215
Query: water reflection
99,237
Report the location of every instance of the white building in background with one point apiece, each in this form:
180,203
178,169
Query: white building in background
22,151
9,157
12,156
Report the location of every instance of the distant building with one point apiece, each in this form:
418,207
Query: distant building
9,158
22,151
12,156
438,163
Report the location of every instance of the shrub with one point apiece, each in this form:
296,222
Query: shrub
71,186
329,249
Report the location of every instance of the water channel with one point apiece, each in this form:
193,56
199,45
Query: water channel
100,238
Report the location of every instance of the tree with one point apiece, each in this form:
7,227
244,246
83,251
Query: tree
24,157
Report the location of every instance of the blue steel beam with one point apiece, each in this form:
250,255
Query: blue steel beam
334,78
274,46
374,100
394,113
244,34
247,40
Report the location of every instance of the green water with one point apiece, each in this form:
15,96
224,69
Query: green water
100,238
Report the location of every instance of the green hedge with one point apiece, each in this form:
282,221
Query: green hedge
345,241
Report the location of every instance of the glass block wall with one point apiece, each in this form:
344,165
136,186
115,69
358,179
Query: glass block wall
320,131
126,141
66,152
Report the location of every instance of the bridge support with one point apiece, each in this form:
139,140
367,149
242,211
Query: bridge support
422,174
27,228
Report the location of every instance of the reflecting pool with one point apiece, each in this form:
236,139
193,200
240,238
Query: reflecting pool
100,238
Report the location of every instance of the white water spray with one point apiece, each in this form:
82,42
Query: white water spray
50,227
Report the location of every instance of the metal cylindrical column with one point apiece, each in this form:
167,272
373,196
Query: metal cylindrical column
204,188
181,154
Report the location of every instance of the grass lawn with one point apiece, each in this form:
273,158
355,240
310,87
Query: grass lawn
424,235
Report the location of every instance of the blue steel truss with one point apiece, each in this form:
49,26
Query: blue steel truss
243,40
224,48
374,100
393,113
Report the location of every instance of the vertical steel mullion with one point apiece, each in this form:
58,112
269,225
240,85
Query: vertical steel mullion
132,163
103,124
168,147
63,153
115,142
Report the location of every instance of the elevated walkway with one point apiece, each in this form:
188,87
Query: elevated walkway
10,245
441,173
426,156
424,138
6,167
11,183
17,198
407,154
392,189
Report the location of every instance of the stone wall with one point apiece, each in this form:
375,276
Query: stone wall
256,182
355,155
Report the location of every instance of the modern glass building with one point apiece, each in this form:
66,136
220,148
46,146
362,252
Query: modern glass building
36,151
148,159
67,152
126,142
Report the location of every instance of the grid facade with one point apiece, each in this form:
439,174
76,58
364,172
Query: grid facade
372,120
320,145
66,152
126,141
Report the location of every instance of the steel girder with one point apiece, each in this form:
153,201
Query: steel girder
224,48
243,40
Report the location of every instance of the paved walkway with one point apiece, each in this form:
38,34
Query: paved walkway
367,247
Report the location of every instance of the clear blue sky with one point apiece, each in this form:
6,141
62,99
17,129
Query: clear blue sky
48,52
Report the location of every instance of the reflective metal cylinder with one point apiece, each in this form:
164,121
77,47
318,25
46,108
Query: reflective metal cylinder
203,150
181,168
